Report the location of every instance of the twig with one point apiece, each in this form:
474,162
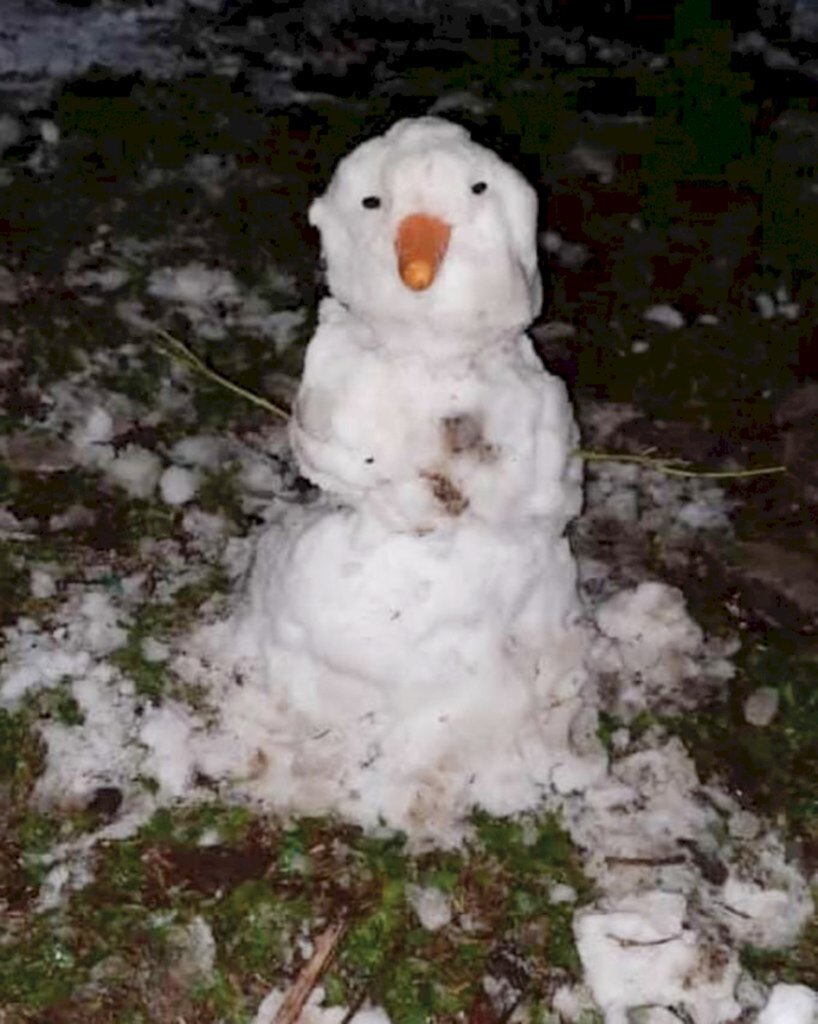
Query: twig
674,467
179,350
311,973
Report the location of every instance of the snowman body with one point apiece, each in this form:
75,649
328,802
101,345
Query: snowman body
430,596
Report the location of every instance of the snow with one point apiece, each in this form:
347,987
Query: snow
410,641
790,1004
315,1013
425,412
431,905
178,485
43,584
215,303
135,469
665,315
639,952
761,706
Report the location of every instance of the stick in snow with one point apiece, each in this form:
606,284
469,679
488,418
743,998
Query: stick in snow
311,973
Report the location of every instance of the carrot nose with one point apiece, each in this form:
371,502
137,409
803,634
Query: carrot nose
421,244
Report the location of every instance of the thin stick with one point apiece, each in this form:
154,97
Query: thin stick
311,973
673,467
179,350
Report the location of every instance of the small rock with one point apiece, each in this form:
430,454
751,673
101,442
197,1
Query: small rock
761,706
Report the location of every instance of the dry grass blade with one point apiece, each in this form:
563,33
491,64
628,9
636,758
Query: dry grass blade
672,467
184,354
675,467
311,973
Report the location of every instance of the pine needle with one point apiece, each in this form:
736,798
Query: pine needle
176,349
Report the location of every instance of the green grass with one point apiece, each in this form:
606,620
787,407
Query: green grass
262,887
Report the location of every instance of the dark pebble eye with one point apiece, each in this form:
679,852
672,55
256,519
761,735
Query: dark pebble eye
479,187
371,202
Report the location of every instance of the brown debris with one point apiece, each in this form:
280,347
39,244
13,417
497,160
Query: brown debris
311,973
449,496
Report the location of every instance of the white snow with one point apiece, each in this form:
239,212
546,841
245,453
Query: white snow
215,303
315,1013
432,906
135,469
430,619
43,584
178,485
790,1004
667,316
761,706
411,642
639,952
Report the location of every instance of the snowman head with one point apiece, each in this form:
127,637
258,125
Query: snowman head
424,227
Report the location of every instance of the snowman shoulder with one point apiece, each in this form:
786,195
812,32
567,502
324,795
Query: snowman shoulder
337,345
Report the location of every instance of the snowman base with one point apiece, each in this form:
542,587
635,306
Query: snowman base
393,681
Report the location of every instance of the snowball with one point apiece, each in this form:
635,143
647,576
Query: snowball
98,428
154,651
178,485
761,707
136,470
561,893
667,316
765,304
432,907
194,284
49,133
43,584
790,1004
201,450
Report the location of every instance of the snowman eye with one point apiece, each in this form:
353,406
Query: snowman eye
479,187
371,202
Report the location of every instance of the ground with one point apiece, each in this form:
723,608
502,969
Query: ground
130,202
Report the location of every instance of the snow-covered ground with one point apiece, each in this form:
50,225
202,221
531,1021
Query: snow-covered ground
684,874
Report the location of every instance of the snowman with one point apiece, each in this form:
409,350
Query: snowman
420,620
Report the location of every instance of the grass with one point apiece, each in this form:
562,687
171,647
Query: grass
112,953
263,889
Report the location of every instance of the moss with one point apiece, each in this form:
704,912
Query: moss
774,767
21,754
796,966
162,621
256,927
39,968
219,492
